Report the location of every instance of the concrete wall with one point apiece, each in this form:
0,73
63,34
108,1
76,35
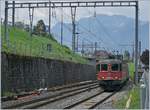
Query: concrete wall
22,73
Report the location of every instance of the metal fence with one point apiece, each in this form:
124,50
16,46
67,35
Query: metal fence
144,90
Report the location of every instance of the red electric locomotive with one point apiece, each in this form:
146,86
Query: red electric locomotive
112,73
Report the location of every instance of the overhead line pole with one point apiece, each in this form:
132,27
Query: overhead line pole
31,12
132,45
82,51
6,22
139,53
49,29
95,48
136,43
62,26
13,14
73,15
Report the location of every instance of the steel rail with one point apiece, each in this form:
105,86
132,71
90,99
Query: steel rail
5,99
44,102
101,101
94,104
77,103
50,96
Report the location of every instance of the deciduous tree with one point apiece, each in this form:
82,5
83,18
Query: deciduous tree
40,28
145,57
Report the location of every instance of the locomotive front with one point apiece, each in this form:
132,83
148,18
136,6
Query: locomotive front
109,73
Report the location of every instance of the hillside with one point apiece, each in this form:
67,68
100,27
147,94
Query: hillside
22,44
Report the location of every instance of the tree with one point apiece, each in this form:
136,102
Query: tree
145,57
40,28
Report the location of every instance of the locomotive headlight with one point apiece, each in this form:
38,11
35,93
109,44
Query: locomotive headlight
116,77
102,77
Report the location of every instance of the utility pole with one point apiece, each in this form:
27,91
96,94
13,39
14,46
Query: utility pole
49,28
13,14
117,54
62,26
136,43
82,51
6,21
131,45
92,44
77,39
1,20
31,11
133,52
95,48
139,53
73,14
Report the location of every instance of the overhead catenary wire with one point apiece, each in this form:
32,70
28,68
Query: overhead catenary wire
79,37
89,32
70,29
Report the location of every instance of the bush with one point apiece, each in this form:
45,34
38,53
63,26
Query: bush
145,57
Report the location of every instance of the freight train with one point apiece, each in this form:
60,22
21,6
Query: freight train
112,73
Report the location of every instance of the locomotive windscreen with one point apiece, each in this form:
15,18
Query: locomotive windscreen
114,67
104,67
98,67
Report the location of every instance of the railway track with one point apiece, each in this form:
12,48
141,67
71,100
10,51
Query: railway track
53,89
92,101
44,102
69,91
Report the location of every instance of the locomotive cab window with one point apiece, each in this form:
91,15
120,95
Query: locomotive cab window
115,67
104,67
98,67
120,67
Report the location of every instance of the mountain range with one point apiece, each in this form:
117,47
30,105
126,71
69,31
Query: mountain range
110,31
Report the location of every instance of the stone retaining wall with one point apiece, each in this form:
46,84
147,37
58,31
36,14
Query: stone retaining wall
22,73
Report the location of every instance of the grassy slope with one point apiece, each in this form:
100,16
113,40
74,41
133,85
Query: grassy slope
135,100
21,43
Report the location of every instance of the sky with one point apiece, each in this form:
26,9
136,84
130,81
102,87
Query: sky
22,14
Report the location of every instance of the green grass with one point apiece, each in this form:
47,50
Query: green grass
131,70
135,100
120,104
8,94
21,43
